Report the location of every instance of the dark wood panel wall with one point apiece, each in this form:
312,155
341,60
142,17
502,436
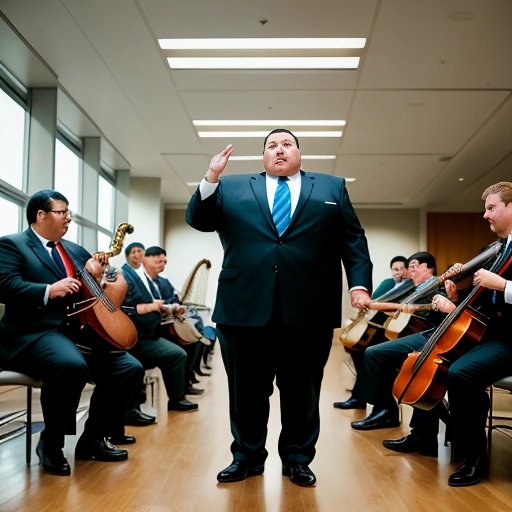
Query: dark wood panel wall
456,237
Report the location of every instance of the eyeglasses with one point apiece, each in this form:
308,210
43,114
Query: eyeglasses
62,213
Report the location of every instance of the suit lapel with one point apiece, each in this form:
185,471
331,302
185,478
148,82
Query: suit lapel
41,253
306,187
259,188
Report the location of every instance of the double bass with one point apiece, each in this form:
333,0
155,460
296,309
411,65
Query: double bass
103,295
421,381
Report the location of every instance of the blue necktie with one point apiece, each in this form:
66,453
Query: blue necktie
281,210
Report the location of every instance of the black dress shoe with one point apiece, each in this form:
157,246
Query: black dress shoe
98,449
124,439
412,443
52,460
470,472
300,474
351,403
136,418
182,405
239,470
191,390
384,418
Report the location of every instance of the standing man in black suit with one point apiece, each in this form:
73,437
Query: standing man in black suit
36,337
285,234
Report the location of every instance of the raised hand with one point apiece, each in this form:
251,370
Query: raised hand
218,164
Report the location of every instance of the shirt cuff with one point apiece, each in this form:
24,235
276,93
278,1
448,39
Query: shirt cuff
206,189
508,292
358,288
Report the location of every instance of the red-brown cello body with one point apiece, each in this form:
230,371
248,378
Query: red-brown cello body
422,379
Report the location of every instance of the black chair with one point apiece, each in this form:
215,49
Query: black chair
503,385
8,378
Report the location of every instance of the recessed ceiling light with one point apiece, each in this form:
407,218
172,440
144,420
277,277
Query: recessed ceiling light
262,43
268,122
263,134
263,62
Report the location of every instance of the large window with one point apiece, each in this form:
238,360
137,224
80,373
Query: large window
12,136
105,211
9,219
67,179
105,203
67,173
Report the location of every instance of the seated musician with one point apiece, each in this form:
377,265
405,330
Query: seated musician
398,266
149,301
421,267
38,339
385,290
134,254
470,375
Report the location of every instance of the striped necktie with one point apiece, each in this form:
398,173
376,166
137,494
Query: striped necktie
281,210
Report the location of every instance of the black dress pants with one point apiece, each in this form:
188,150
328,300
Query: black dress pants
65,369
253,358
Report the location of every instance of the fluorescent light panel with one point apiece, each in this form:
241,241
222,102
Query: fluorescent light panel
263,62
268,122
259,157
265,133
262,43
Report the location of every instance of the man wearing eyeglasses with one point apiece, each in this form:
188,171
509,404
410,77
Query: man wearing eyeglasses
38,286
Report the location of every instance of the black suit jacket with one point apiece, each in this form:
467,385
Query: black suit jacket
302,267
492,304
26,269
148,325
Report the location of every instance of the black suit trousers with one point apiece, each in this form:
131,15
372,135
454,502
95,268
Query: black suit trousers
64,370
468,379
253,358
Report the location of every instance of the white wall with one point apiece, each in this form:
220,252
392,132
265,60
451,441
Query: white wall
389,233
145,215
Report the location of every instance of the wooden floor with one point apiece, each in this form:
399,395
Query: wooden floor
174,464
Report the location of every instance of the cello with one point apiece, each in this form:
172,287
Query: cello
421,381
100,308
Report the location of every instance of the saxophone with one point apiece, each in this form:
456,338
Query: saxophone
117,242
116,245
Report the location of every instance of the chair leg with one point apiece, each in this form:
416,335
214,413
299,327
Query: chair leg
28,433
489,422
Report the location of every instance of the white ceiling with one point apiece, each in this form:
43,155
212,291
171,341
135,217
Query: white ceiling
429,104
